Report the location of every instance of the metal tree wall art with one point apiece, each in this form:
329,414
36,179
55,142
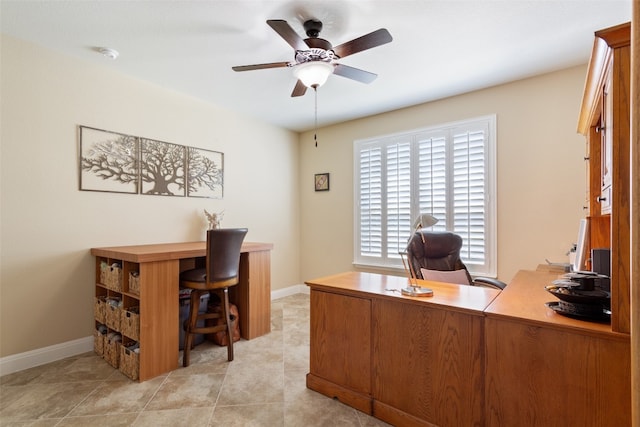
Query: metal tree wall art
162,168
205,173
110,161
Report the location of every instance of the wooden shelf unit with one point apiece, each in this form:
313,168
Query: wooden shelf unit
154,318
604,120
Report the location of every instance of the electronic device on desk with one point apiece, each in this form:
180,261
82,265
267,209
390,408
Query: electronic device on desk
601,261
583,295
580,257
577,254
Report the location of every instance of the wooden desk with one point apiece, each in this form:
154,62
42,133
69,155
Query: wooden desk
466,356
405,360
159,266
545,369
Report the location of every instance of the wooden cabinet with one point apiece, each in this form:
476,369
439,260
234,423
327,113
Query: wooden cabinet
545,369
133,298
468,356
604,120
408,361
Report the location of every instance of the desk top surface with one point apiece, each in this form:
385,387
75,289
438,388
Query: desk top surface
524,299
167,251
455,297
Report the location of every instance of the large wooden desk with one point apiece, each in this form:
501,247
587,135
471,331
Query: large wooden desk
404,360
467,356
159,266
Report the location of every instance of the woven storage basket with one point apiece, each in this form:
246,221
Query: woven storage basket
134,282
113,316
112,352
129,363
130,323
98,343
111,276
99,309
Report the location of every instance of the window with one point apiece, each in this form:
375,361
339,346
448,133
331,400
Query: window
447,171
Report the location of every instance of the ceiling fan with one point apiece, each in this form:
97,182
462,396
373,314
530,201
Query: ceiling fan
316,58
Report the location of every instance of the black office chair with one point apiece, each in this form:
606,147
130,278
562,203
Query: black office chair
436,252
220,272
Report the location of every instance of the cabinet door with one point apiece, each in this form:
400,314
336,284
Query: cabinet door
607,146
340,347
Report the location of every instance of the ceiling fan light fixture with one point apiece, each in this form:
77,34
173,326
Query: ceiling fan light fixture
313,74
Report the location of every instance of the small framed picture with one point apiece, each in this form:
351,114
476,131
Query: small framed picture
322,182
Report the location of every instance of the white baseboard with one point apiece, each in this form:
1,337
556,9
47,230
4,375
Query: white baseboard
291,290
41,356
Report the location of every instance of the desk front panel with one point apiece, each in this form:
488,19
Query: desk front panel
428,362
340,351
546,369
540,376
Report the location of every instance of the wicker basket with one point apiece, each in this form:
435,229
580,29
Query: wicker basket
134,282
111,276
113,316
99,309
112,352
130,323
98,343
129,363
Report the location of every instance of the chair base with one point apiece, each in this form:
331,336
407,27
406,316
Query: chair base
191,328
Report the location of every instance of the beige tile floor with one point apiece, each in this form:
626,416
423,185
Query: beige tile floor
263,386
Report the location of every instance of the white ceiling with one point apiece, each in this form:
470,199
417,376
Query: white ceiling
439,48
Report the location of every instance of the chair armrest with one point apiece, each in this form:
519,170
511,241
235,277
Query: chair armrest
489,282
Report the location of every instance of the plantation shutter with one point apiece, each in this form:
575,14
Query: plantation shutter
447,171
398,197
468,162
432,177
370,185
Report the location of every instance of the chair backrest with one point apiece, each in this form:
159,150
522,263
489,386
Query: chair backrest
223,253
435,250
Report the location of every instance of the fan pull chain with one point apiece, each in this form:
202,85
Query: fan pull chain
315,123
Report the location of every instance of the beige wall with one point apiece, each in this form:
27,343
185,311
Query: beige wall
48,225
541,172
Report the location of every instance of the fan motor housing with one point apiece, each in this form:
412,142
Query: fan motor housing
312,27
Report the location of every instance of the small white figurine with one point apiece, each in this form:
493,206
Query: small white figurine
214,219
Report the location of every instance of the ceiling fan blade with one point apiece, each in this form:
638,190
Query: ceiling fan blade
288,34
299,90
354,73
260,66
374,39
